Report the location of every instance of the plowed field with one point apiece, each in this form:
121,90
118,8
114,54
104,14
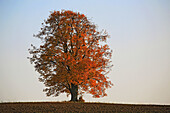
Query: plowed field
64,107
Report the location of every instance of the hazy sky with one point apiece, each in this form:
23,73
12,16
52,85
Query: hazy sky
140,39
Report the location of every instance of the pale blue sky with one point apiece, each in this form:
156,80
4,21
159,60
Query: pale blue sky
140,39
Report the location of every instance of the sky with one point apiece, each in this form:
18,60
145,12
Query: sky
139,37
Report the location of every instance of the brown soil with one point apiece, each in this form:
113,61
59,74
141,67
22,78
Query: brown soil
64,107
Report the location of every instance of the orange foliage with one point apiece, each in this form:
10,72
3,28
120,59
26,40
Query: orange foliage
71,54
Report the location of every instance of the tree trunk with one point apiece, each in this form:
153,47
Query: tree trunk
74,92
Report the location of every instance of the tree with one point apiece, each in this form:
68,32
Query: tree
71,58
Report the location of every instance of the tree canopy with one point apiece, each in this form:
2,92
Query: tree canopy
74,57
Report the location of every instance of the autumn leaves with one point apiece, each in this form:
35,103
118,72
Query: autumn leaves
72,55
